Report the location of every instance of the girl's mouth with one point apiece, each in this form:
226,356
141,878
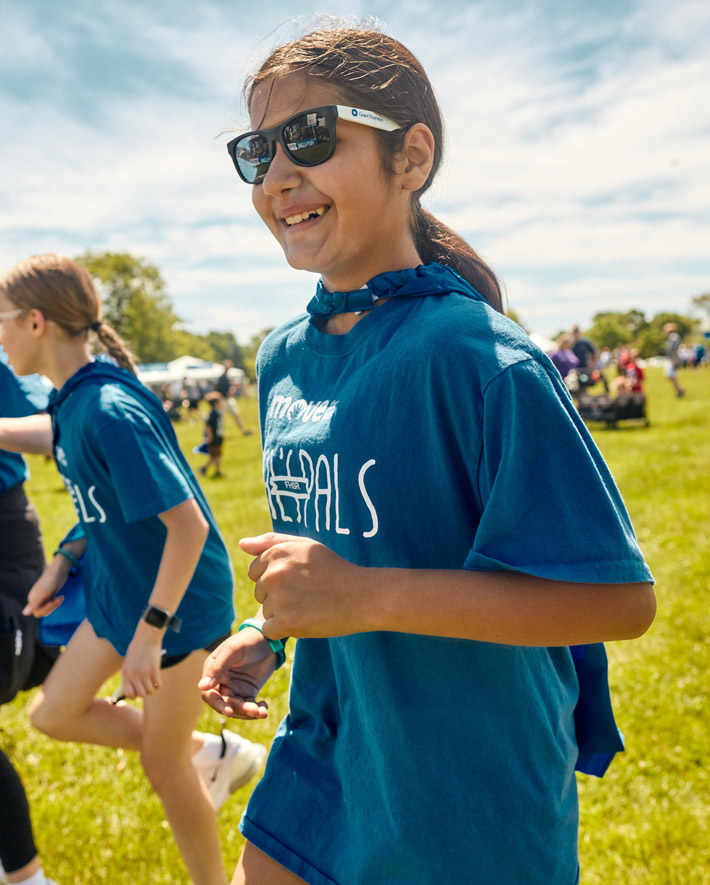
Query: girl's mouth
292,220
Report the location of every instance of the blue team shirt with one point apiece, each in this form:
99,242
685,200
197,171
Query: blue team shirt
19,397
433,435
120,461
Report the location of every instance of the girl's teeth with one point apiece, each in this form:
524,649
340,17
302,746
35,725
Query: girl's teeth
303,216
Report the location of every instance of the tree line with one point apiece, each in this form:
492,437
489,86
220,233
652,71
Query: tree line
615,329
138,307
136,304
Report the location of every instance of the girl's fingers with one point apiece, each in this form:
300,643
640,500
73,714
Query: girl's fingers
259,593
258,544
141,687
256,569
45,608
261,543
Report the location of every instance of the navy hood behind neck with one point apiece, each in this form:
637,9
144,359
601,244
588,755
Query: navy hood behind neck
101,370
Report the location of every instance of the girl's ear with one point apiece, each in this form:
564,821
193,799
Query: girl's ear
416,157
37,322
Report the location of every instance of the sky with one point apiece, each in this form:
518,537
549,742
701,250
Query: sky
577,157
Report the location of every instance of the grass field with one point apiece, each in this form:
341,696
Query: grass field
647,821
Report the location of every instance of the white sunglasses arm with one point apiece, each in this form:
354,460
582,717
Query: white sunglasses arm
367,118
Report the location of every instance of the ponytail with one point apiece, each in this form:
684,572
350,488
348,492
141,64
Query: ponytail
437,242
65,293
114,345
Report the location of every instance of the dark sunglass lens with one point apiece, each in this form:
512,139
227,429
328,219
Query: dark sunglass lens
308,139
252,155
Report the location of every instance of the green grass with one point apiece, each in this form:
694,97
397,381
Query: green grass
647,821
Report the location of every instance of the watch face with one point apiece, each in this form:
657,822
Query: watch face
155,617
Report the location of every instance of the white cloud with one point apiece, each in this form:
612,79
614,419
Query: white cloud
577,150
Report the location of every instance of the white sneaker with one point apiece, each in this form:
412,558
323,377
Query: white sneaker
240,761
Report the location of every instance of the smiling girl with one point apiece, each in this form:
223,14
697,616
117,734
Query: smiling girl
444,527
156,571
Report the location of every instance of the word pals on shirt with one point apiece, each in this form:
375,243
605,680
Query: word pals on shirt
307,489
87,507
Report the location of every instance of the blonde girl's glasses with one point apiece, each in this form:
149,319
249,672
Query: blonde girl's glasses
11,314
308,138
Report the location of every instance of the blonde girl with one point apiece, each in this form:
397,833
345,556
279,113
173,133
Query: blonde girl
156,572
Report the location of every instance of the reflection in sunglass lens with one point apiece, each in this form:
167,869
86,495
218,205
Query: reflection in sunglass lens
253,156
307,138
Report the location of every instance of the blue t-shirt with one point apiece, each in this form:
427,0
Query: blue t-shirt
19,397
121,463
433,435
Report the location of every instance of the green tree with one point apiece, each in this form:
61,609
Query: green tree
615,328
249,352
136,304
188,344
225,347
702,303
513,314
652,340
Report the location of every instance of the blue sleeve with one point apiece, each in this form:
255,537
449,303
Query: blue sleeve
146,474
20,396
74,534
551,507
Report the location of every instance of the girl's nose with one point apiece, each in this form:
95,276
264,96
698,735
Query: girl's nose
282,174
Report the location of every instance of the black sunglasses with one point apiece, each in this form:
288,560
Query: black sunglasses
307,138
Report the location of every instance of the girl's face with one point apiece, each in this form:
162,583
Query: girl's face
362,228
17,344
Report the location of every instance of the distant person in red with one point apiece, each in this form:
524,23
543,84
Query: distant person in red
631,375
634,372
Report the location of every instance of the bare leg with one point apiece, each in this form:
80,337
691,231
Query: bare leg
66,707
170,715
257,868
21,875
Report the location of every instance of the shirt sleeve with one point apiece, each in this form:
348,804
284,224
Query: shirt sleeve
550,505
146,474
21,396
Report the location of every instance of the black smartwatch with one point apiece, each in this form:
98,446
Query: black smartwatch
159,618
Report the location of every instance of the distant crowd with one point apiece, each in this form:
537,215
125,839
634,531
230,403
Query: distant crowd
582,365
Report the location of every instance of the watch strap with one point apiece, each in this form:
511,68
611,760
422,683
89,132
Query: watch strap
277,645
159,618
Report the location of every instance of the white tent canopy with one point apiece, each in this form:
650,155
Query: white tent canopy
189,368
545,344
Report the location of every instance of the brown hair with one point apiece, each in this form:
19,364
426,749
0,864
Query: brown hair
371,70
65,293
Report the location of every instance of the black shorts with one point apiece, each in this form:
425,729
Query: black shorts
24,663
170,661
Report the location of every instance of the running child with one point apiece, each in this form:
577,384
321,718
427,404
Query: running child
156,571
214,434
444,528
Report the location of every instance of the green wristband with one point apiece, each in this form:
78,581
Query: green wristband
277,645
75,565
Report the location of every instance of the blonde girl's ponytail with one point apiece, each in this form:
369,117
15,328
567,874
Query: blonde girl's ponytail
114,345
65,293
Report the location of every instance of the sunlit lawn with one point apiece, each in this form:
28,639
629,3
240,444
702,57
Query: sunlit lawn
96,819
